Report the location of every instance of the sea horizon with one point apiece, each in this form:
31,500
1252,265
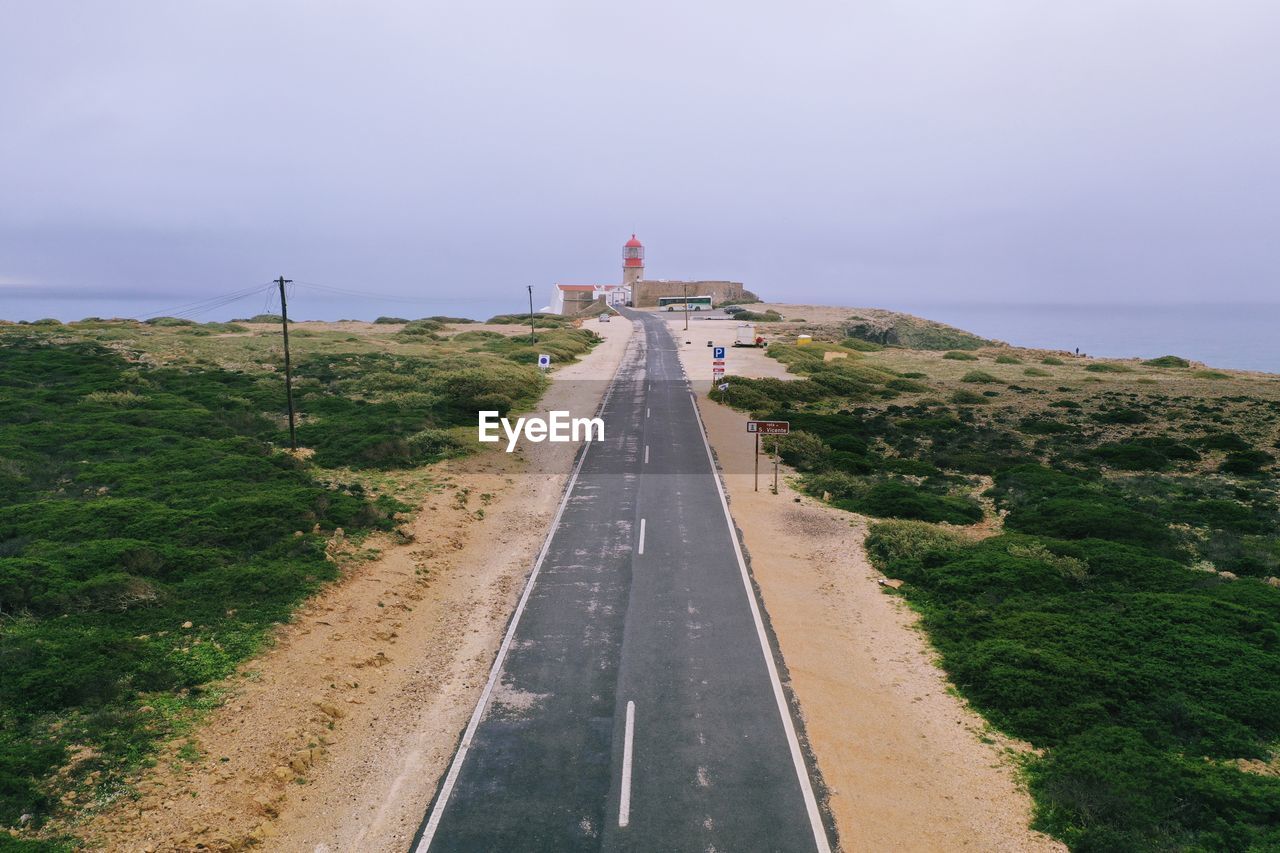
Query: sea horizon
1232,335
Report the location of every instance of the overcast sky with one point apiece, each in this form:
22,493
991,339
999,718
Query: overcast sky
859,152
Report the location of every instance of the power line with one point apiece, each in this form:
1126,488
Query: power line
209,303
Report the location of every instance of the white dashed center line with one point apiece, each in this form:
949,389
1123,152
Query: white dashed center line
646,454
624,801
640,545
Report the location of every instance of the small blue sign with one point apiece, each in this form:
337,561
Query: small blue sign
717,352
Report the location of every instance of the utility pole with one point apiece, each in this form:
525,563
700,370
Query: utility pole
686,306
532,331
288,373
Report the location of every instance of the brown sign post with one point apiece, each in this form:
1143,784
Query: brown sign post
759,428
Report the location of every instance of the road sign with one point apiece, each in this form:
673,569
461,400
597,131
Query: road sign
717,352
769,427
718,363
544,361
723,387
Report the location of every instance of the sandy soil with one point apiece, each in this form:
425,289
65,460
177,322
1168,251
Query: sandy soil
335,738
740,361
908,765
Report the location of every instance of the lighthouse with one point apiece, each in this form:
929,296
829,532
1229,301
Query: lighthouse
632,262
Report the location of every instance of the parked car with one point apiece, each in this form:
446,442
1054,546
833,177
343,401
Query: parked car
733,309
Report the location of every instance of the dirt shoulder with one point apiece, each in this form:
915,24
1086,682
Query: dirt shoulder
334,739
907,764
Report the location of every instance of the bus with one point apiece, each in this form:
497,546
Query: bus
680,303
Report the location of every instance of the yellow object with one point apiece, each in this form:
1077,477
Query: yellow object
804,340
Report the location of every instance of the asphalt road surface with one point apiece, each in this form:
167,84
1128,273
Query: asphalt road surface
634,704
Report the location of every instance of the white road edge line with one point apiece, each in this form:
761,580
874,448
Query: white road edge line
451,779
624,799
640,546
797,756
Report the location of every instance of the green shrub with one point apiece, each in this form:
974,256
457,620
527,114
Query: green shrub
1211,374
1119,416
892,499
956,355
540,320
769,316
1107,367
1035,371
1052,360
979,376
479,336
802,450
840,485
913,333
965,397
1094,518
906,385
420,328
1132,457
224,328
1005,358
1221,441
860,345
905,548
1167,361
169,321
390,321
1246,462
133,513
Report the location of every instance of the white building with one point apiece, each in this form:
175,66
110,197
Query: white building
572,298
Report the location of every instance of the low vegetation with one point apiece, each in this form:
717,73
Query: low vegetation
540,320
1167,361
913,333
769,316
1121,612
153,528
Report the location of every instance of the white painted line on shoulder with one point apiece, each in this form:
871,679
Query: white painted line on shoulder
797,756
640,545
646,454
624,800
646,411
455,768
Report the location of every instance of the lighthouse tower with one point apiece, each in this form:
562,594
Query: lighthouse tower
632,261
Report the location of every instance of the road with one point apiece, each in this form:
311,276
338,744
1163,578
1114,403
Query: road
634,704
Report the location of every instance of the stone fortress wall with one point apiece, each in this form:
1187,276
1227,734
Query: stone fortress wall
645,292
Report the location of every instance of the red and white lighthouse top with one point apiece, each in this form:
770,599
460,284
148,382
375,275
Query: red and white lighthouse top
633,253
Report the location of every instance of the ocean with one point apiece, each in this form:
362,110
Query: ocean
1242,336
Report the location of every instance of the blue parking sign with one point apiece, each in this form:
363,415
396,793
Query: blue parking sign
717,352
